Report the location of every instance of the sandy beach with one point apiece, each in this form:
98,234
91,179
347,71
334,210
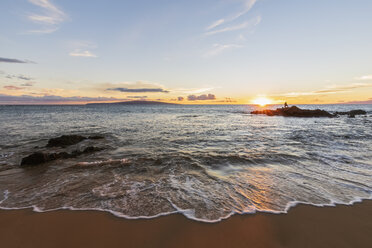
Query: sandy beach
303,226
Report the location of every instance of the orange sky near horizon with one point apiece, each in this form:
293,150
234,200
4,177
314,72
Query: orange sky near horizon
306,98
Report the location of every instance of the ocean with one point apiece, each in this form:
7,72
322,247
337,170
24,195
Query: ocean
206,162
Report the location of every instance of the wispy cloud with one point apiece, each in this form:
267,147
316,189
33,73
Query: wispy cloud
193,90
228,24
82,49
139,90
8,60
216,24
44,30
137,97
28,84
227,100
219,48
343,88
49,99
20,76
133,87
369,101
203,97
150,87
333,89
251,23
24,77
79,53
50,17
366,77
12,87
247,6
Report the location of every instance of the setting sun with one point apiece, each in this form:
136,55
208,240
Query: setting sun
262,101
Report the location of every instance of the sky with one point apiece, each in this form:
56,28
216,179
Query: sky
185,51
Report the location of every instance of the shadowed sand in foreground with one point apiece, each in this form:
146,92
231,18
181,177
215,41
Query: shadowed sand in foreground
303,226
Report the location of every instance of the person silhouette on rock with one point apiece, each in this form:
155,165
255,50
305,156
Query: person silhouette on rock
285,105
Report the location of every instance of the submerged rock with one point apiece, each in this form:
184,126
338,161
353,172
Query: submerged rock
294,112
65,140
89,149
95,137
38,158
35,159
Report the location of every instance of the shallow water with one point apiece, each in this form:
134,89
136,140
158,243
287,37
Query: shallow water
207,162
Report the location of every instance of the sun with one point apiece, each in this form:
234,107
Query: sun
262,101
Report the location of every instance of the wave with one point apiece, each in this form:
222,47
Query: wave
188,213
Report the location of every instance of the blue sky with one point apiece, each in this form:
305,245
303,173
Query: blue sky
236,50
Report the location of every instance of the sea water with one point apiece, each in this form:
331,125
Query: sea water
206,162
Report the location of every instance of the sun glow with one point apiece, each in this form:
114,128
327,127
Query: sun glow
262,101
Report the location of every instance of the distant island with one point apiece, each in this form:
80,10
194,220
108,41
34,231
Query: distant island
135,103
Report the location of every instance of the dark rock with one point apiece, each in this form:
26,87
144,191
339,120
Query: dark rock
294,112
61,155
91,149
96,137
357,112
35,159
65,140
41,158
352,112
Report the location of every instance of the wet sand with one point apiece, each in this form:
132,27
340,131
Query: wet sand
303,226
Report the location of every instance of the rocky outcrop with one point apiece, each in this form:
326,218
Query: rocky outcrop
35,159
352,113
38,158
294,112
41,157
65,140
297,112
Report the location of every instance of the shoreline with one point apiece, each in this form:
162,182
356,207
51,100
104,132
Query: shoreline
289,206
303,226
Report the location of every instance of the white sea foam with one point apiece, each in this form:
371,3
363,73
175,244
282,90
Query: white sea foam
188,213
6,155
6,195
104,162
